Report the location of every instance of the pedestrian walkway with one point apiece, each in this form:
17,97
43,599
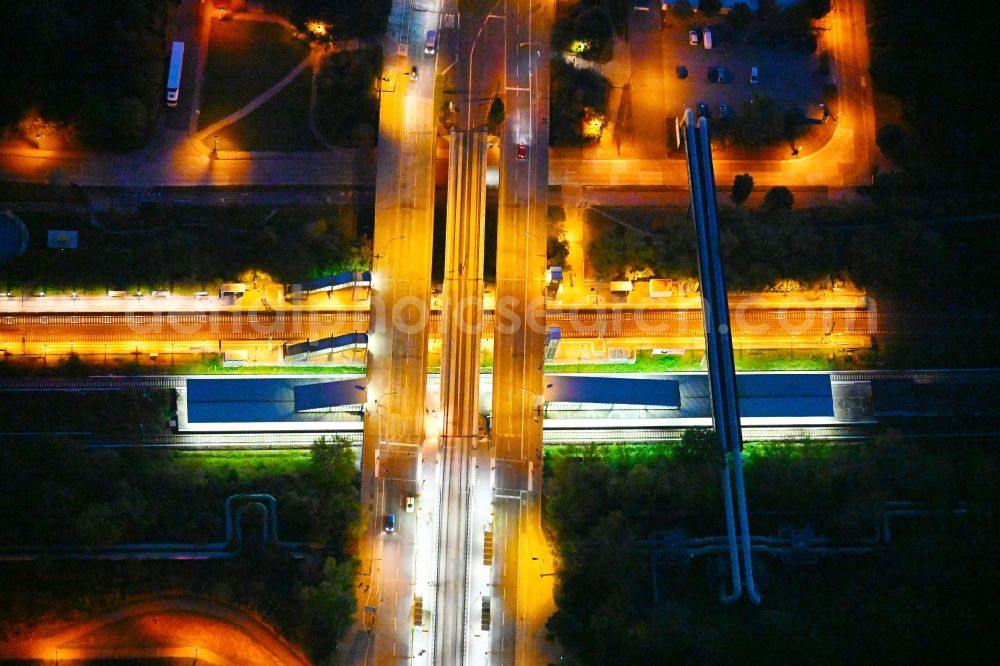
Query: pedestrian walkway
179,158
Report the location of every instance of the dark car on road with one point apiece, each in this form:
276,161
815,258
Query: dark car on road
704,111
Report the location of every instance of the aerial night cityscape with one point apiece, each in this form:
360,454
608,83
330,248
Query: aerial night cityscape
498,333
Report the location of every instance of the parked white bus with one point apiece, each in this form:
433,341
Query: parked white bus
174,76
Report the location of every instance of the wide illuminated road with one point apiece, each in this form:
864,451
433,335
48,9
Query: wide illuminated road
400,294
519,330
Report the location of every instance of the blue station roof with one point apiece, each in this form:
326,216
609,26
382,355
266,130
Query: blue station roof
329,394
615,390
256,400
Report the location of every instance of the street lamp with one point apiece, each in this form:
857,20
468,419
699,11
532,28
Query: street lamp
378,400
540,400
378,405
472,52
385,248
543,255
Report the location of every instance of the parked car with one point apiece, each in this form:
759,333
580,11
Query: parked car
706,38
413,73
754,78
522,151
411,502
718,75
693,37
725,112
682,72
704,111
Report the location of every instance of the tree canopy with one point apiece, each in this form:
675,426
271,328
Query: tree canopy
742,187
925,597
574,93
346,97
99,66
346,18
945,112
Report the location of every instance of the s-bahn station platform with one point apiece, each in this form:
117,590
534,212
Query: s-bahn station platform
317,404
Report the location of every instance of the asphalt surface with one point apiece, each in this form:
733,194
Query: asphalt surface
397,348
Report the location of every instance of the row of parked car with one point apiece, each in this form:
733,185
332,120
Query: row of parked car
720,74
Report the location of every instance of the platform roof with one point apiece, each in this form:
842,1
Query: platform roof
329,394
769,394
250,400
612,390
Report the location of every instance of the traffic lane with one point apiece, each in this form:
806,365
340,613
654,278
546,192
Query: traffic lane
510,475
538,573
401,269
521,240
401,277
504,604
479,72
520,267
849,41
392,628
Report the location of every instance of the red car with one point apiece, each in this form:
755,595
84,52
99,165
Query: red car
522,151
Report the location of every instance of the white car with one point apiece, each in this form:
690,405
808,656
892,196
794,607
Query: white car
693,37
411,502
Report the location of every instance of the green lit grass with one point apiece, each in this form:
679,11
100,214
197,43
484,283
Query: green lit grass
765,361
213,366
245,464
645,362
746,361
288,370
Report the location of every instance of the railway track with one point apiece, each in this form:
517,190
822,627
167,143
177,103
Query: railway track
166,382
297,325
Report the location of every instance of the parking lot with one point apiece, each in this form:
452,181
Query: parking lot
789,77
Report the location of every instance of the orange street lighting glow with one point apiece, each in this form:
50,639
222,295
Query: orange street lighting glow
593,126
317,28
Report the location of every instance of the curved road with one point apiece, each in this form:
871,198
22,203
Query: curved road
163,627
